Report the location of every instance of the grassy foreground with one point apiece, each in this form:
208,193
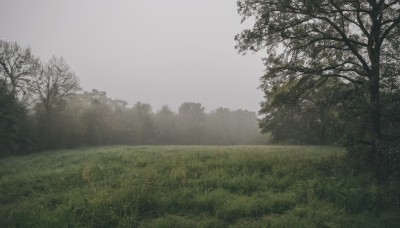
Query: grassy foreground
193,186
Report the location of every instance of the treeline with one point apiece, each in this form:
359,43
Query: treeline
43,107
92,118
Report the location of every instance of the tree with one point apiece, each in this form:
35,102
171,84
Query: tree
191,118
313,40
17,66
238,127
14,124
97,118
17,69
71,121
166,123
139,125
54,82
219,127
245,128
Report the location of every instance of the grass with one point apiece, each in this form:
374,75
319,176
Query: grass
193,186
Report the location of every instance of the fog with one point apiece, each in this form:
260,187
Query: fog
156,52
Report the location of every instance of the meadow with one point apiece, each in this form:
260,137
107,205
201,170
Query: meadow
193,186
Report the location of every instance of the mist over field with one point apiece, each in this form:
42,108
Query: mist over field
200,113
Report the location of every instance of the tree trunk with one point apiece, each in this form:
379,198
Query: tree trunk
47,127
377,157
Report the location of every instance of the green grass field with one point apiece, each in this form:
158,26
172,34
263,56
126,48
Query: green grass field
193,186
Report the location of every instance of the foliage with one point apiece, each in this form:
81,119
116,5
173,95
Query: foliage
310,42
331,113
232,127
191,123
41,108
193,186
15,130
53,82
92,118
167,125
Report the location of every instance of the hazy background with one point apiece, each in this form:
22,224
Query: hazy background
158,52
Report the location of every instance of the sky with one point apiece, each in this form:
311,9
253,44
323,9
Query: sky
157,52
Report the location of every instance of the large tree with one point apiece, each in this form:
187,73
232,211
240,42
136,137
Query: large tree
17,67
54,81
312,40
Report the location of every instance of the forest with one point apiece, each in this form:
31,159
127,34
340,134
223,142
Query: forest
43,107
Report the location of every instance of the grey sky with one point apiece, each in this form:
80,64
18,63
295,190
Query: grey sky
157,52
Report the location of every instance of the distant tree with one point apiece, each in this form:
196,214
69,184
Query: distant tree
17,67
219,127
245,128
311,41
71,120
166,123
232,127
191,118
55,81
97,118
143,124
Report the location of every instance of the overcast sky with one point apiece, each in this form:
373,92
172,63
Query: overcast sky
157,52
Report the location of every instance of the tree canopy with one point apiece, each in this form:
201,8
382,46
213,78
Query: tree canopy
310,41
17,66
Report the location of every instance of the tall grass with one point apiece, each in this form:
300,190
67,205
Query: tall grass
193,186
